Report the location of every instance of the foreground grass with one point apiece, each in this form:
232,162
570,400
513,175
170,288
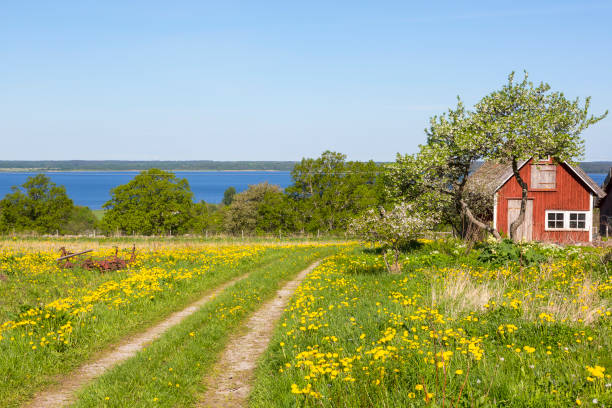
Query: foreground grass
170,371
54,320
447,332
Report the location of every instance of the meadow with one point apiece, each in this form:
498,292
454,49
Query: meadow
54,319
497,324
454,329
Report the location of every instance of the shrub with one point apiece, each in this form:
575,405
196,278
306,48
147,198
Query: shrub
506,251
392,230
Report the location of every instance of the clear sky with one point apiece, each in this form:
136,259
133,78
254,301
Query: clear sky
262,80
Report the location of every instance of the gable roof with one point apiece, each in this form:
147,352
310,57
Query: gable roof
491,176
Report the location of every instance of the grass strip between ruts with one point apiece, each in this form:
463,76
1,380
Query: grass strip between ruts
170,371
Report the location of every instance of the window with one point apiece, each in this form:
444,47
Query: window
543,177
555,220
577,220
568,220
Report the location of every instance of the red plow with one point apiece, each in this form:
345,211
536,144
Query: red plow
107,264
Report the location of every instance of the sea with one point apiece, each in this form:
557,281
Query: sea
92,189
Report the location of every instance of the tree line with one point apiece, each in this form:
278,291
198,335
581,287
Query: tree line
126,165
327,192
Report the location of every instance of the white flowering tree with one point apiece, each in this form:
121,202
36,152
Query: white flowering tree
521,121
510,125
392,230
436,176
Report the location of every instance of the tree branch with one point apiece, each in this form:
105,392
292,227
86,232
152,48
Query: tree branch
477,222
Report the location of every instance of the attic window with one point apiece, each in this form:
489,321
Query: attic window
544,177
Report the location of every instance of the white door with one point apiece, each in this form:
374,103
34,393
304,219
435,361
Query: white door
525,230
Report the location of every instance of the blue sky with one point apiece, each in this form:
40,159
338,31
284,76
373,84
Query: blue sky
283,80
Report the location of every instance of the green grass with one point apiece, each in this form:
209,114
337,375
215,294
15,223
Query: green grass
356,336
170,372
183,277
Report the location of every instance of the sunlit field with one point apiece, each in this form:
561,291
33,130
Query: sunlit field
454,329
493,325
53,319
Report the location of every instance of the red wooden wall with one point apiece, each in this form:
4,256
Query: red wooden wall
571,194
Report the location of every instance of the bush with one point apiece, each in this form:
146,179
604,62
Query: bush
394,230
507,252
82,220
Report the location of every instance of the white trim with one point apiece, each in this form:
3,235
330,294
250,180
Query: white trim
588,220
511,174
495,211
591,216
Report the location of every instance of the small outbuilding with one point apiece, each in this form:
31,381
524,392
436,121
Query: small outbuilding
560,202
605,208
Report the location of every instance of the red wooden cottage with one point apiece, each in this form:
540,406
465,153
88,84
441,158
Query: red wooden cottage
605,208
560,202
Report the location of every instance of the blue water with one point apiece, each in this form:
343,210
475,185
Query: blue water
92,189
598,177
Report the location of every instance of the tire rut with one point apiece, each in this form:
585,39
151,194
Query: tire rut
230,383
64,393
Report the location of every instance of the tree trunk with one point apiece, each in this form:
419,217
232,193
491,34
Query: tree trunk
477,222
395,266
524,190
465,210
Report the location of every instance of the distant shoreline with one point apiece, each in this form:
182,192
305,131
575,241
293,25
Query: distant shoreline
140,165
20,170
199,166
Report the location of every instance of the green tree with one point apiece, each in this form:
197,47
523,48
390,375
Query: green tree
81,220
329,191
228,195
153,202
516,123
243,214
42,206
216,217
521,121
434,179
200,217
275,213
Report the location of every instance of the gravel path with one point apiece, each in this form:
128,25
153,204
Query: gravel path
64,393
230,383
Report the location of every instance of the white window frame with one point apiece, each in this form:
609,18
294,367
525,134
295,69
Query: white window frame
588,221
